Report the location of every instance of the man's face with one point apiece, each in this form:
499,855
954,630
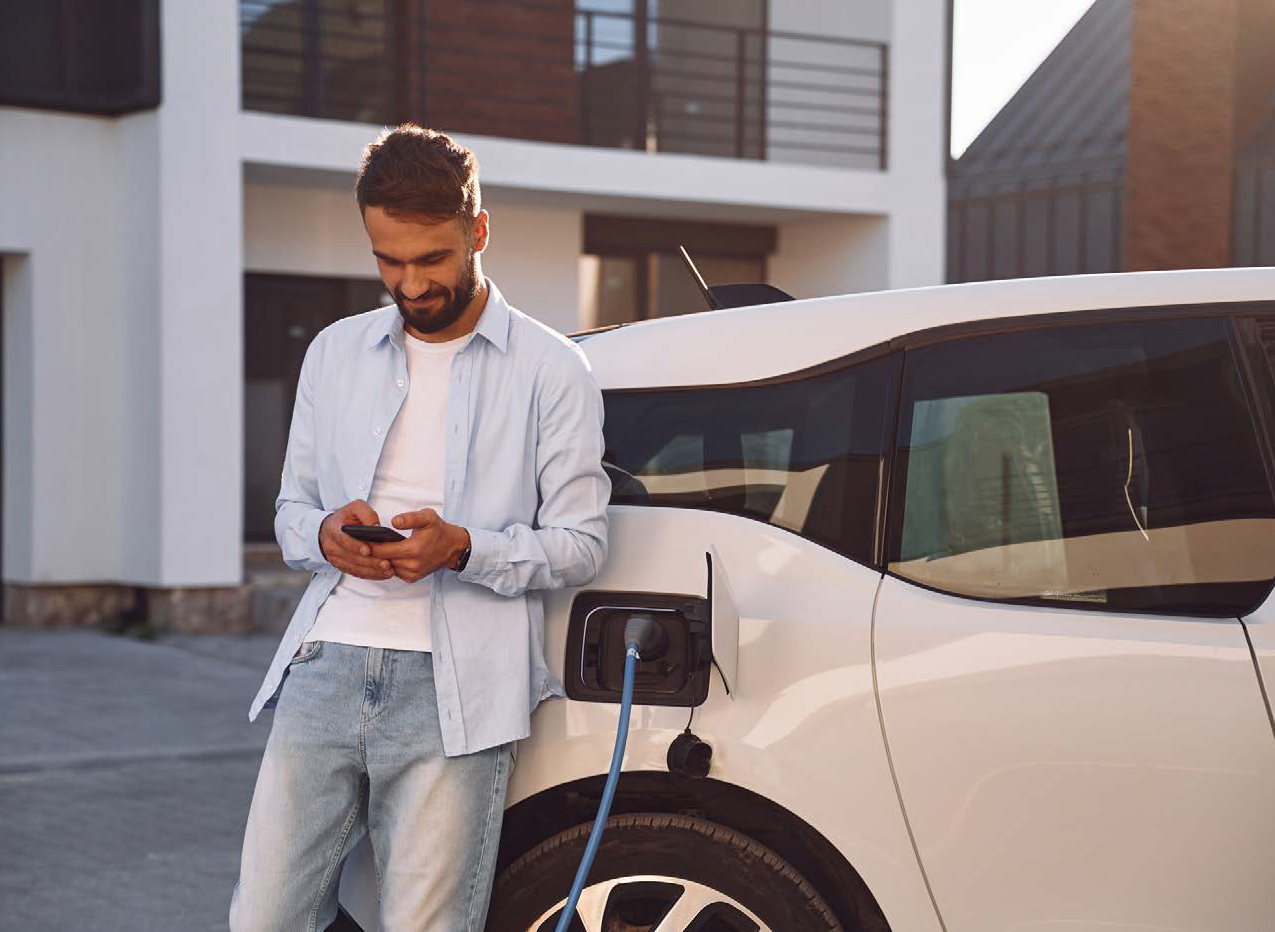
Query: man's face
428,266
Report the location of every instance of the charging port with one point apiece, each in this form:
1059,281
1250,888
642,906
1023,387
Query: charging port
674,672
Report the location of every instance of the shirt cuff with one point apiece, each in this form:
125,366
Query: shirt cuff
310,534
486,555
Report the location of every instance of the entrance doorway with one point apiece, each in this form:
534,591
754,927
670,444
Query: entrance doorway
282,315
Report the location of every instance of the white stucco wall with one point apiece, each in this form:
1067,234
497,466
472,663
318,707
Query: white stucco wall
534,256
124,311
831,255
65,230
304,230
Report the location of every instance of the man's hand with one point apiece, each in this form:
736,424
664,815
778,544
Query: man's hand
434,543
343,551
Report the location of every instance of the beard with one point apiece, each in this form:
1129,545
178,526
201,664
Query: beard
454,302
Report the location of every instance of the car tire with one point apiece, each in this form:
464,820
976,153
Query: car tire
649,866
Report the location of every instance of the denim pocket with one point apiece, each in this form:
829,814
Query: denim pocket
307,651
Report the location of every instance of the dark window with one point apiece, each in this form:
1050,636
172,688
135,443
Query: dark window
1111,466
802,454
282,314
80,55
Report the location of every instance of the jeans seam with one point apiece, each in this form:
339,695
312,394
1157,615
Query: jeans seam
366,784
332,863
482,848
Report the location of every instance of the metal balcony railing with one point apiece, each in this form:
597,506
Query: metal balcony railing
551,72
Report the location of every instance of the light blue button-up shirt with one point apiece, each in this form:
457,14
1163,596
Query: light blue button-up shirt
523,473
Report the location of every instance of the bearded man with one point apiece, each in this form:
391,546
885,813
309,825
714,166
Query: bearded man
410,669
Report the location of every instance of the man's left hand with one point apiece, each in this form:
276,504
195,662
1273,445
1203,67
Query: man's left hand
433,544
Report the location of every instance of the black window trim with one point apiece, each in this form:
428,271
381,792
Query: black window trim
1230,311
1254,368
884,456
148,93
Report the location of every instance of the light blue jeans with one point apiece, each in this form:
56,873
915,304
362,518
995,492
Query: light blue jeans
355,749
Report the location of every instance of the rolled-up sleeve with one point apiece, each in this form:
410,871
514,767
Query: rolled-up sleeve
298,509
569,543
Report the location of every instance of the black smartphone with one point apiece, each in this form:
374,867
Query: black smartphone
372,533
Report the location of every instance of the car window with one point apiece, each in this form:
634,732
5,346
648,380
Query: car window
1109,466
801,453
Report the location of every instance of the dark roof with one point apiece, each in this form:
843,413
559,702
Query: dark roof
1072,113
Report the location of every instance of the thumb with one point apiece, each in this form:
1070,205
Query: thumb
363,512
413,519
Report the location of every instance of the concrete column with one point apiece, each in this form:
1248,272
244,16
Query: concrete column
1201,76
198,306
916,143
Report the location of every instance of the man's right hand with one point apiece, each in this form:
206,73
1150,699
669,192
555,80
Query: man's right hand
343,551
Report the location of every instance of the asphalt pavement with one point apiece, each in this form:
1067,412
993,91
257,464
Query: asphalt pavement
126,770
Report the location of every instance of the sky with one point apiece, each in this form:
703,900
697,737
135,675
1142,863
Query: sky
996,45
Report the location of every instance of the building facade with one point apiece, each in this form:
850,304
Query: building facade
1144,140
177,221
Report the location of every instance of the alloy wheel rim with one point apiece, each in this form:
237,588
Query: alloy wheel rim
654,903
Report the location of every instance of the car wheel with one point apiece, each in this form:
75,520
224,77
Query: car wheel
653,871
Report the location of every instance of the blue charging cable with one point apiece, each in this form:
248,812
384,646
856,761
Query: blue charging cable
613,777
608,793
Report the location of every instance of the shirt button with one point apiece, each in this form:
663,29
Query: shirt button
400,383
376,430
360,486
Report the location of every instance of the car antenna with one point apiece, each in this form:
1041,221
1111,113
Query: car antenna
713,304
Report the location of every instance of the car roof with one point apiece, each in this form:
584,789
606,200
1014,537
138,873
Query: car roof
744,344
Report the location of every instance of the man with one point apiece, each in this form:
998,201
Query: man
410,668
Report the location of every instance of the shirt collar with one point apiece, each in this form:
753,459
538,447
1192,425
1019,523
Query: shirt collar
493,323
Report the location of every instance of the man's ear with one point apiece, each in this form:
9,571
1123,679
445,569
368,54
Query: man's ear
482,230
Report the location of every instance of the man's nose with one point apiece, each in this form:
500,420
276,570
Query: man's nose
415,284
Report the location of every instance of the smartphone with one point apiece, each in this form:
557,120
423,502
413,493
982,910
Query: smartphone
372,533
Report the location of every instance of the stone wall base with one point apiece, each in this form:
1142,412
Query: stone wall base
195,610
214,610
66,606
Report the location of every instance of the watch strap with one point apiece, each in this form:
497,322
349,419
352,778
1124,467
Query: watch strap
464,558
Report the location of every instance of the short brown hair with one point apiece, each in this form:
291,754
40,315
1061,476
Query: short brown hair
411,171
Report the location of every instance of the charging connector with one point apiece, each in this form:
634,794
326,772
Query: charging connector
648,635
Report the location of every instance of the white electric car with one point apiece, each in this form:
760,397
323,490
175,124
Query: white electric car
968,595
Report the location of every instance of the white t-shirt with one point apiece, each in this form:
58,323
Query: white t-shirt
409,477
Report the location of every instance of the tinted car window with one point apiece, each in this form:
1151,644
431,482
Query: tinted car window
802,453
1111,466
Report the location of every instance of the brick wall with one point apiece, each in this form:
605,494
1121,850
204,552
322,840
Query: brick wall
499,68
1201,76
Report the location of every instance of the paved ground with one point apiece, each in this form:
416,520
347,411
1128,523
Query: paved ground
126,769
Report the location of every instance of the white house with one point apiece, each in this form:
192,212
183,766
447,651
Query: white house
177,220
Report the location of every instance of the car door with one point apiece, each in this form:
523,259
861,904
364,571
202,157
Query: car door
1079,516
779,480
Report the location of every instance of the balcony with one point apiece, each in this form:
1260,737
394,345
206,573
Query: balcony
553,71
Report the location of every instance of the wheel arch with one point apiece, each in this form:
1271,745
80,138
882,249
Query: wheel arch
554,809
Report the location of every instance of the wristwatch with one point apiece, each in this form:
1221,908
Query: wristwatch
464,557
